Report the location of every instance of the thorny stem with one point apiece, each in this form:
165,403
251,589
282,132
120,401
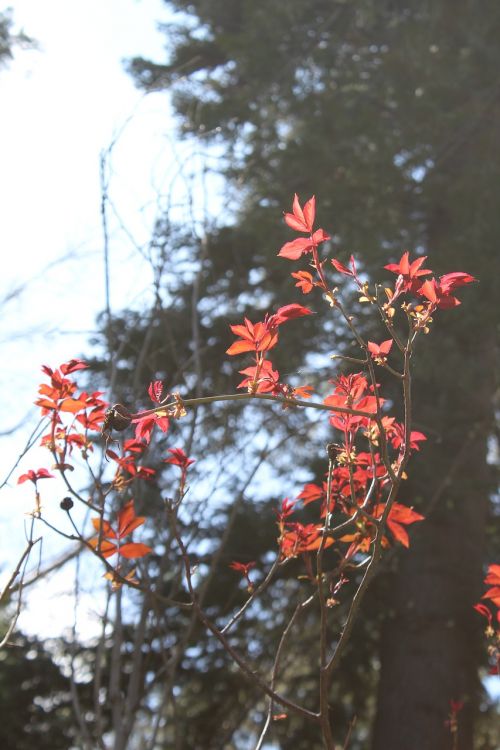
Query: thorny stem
20,569
286,402
326,729
255,593
277,659
380,526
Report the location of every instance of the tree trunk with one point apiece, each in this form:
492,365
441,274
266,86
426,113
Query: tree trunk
430,638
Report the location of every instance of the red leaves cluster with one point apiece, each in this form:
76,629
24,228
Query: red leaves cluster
263,336
298,538
492,598
302,220
493,580
60,396
352,392
260,338
492,595
358,482
109,539
73,414
439,293
132,451
146,422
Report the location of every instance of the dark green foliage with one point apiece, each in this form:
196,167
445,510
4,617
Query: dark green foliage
36,709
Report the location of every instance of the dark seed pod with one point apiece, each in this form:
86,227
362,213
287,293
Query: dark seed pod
66,503
117,418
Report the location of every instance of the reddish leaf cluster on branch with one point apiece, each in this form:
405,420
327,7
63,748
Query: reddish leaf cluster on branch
352,512
491,611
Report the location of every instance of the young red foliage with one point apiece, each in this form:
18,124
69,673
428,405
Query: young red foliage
110,543
145,425
380,352
298,538
493,579
179,458
302,220
155,391
34,476
304,281
408,273
399,516
263,336
439,293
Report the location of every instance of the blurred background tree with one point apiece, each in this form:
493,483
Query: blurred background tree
389,112
10,39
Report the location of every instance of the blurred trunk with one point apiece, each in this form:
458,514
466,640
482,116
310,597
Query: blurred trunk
429,640
427,650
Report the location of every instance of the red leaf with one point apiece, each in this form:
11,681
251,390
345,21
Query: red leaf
380,351
311,492
127,520
310,213
301,220
155,390
134,549
305,281
288,312
72,366
341,268
106,548
243,568
240,346
72,405
34,476
179,458
107,529
296,248
484,611
493,576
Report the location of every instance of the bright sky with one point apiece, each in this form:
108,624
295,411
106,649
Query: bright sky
62,104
